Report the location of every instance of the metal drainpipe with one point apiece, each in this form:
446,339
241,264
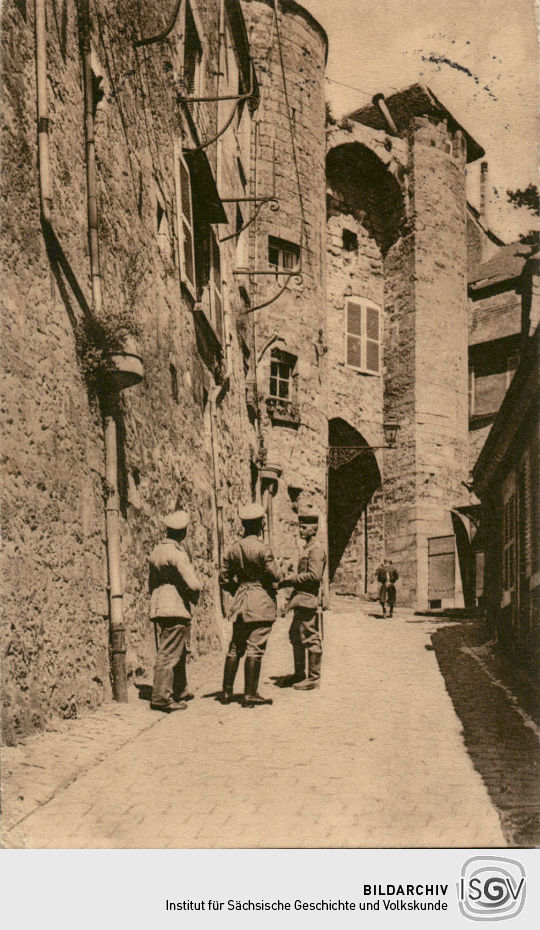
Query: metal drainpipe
45,189
112,509
218,502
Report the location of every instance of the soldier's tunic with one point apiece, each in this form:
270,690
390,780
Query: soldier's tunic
304,600
249,573
172,584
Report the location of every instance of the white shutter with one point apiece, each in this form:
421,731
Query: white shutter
373,339
184,222
354,334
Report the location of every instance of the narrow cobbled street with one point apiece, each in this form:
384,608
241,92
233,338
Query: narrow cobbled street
375,758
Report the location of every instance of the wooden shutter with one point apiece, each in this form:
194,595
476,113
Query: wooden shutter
373,339
184,218
354,334
216,295
509,501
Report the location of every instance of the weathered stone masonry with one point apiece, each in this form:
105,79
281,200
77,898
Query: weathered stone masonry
55,603
247,382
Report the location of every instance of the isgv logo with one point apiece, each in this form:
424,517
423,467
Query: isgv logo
491,888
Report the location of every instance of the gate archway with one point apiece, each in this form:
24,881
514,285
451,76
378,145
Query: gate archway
354,540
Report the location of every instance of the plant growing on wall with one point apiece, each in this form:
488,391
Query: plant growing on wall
99,342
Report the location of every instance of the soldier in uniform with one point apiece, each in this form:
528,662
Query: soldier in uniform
305,633
249,573
174,588
387,575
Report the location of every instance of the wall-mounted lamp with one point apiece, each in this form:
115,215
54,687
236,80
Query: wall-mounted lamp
390,434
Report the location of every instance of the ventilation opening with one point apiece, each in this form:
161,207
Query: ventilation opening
350,241
174,382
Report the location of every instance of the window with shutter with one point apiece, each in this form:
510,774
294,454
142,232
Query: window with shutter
363,336
216,297
354,335
184,212
372,339
509,533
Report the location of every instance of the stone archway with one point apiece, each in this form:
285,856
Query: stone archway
355,536
363,184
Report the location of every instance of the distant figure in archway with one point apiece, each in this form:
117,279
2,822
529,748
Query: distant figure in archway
387,575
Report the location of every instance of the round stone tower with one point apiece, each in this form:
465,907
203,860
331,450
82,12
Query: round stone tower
287,250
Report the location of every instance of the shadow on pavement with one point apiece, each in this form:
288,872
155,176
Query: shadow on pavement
503,749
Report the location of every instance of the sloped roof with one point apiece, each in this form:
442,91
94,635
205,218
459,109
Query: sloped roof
416,100
505,265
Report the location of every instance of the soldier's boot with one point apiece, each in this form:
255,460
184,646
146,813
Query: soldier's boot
229,674
314,673
299,656
252,670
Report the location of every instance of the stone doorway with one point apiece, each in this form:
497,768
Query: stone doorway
355,515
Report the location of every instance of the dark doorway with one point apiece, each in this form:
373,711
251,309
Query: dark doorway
353,479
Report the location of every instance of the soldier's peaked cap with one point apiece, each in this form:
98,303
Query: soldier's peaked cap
251,512
178,520
308,516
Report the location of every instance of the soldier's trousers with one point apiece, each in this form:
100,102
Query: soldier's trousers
249,638
305,631
170,668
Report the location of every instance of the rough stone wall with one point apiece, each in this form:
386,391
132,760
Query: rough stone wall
441,350
298,317
55,657
354,397
399,407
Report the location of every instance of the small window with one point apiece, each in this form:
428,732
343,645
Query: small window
283,255
350,241
281,373
184,207
282,399
363,336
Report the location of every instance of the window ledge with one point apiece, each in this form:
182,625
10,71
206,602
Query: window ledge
363,371
282,411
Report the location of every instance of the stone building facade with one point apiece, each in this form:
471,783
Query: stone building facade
287,260
399,174
506,481
184,434
290,291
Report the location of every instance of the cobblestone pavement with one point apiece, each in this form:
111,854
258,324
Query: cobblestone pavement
502,739
375,758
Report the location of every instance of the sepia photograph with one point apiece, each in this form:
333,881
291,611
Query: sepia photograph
270,503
